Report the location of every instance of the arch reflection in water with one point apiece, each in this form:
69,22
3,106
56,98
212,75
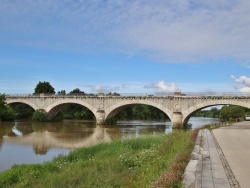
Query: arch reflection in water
45,139
133,128
26,142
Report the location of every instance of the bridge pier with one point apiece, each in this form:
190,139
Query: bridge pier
100,117
177,120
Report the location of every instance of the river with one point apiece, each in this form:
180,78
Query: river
32,142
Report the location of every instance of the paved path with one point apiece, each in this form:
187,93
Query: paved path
206,169
234,141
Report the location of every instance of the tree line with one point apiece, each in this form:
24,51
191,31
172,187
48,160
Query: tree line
226,113
138,112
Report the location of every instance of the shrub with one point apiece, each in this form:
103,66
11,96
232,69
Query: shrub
9,114
39,115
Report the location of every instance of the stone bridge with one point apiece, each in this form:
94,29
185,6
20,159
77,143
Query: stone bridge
178,107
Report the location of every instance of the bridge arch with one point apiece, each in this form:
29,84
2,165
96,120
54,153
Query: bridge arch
22,101
188,112
114,109
55,107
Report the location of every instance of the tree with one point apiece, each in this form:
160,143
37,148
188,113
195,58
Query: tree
231,112
113,94
6,112
39,115
76,111
62,92
141,112
23,111
44,87
2,105
77,91
9,114
215,111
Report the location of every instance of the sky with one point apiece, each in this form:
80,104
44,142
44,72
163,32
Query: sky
125,46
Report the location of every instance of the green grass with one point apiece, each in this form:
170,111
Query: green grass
136,162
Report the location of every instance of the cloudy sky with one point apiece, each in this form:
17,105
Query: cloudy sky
125,46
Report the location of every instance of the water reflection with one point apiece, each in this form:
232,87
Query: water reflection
45,136
29,142
138,127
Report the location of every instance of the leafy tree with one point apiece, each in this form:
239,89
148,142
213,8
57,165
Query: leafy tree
231,112
78,91
76,111
44,87
2,105
9,114
62,92
23,111
215,111
39,115
116,94
141,111
6,112
113,94
81,114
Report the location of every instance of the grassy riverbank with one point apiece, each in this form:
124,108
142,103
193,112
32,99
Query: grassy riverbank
147,161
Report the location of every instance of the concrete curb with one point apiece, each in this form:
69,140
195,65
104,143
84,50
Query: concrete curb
205,169
190,180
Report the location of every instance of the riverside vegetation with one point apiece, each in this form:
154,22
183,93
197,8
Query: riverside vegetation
147,161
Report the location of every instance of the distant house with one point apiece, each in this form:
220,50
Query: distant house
247,117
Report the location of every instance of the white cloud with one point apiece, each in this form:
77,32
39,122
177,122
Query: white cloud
243,83
171,31
127,88
244,89
105,89
161,87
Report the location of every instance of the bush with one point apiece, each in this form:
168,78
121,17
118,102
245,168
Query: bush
39,115
9,114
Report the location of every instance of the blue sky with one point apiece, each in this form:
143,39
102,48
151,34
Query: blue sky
125,46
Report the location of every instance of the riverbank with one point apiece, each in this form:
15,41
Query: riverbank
137,162
206,167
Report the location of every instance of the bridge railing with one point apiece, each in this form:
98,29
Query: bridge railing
218,94
22,95
158,94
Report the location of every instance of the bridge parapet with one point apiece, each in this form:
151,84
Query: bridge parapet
156,94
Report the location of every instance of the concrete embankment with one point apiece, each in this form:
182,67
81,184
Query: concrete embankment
206,169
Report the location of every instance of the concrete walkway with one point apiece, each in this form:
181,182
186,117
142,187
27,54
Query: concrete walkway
207,168
234,140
